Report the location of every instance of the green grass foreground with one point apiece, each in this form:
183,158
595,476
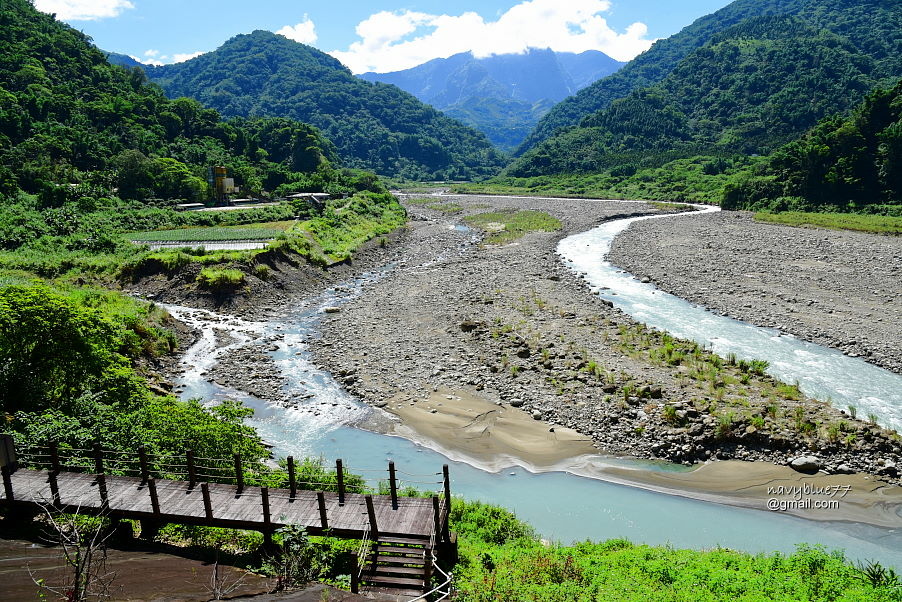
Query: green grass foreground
878,224
508,225
501,558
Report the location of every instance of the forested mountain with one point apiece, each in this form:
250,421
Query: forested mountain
73,126
870,26
123,60
842,164
501,95
373,125
748,88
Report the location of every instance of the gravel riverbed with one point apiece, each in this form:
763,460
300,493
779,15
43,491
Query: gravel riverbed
839,289
511,325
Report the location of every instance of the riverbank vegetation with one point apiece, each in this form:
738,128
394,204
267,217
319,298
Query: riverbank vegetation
848,164
878,224
508,225
502,558
74,371
699,179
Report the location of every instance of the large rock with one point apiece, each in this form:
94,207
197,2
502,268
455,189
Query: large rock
806,464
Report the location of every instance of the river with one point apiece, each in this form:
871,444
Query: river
570,507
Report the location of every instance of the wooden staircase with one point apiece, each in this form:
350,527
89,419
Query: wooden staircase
397,565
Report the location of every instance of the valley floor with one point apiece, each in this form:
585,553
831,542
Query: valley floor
498,354
495,352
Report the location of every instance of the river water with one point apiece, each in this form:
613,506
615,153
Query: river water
562,506
821,372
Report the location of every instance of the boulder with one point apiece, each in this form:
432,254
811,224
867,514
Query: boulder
806,464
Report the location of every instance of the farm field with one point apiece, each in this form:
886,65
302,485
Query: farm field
261,231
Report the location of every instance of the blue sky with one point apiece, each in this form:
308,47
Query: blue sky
384,36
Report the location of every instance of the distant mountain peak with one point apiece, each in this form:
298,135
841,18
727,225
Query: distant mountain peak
503,95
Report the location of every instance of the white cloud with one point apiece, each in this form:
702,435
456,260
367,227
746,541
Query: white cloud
391,41
83,10
185,56
304,32
153,57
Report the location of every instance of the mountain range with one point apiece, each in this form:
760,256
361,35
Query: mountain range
745,79
502,95
373,125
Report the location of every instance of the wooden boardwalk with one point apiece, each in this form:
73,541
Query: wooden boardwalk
178,502
401,537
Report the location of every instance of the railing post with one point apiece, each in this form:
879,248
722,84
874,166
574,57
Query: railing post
142,460
323,519
446,477
7,483
192,470
104,494
54,488
371,511
340,475
355,575
427,570
239,474
264,493
54,457
8,453
267,529
437,515
292,483
154,498
208,506
393,485
98,459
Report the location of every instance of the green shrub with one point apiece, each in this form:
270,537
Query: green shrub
217,279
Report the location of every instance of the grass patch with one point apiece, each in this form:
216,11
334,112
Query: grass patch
877,224
662,206
446,207
508,225
220,279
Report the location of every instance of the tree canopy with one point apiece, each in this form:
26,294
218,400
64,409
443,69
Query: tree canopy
73,125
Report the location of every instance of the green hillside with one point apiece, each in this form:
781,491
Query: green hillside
861,41
738,94
74,126
374,126
843,164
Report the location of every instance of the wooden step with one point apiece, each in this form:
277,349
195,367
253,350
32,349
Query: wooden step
411,541
397,570
380,580
396,560
408,594
399,550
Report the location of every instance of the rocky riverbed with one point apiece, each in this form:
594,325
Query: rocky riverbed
512,326
839,289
